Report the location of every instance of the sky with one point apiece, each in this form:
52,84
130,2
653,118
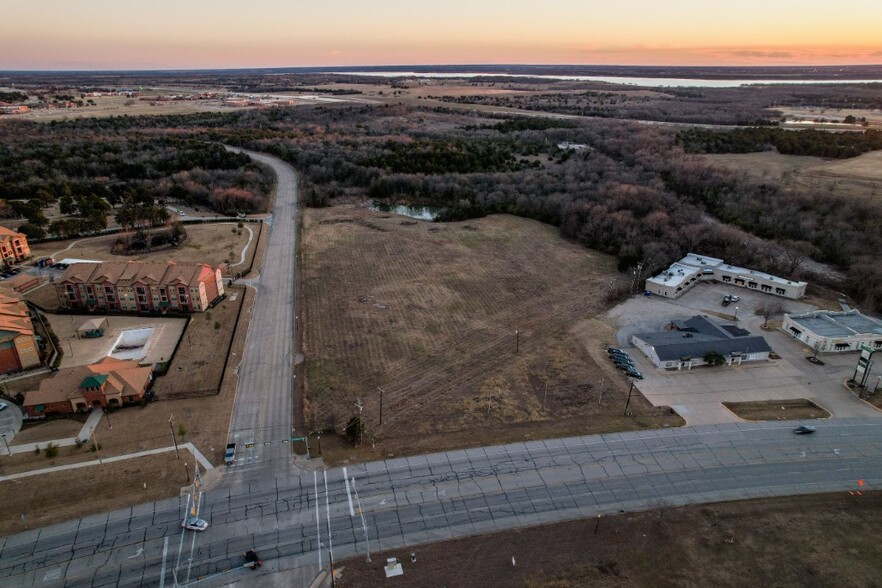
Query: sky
183,34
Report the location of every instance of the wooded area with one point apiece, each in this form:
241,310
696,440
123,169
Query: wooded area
632,191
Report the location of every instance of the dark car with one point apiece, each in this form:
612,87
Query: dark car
804,430
622,361
634,373
612,350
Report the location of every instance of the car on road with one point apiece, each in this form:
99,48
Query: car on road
230,453
3,406
194,524
804,430
632,373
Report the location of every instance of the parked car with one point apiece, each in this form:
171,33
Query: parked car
3,406
194,524
631,372
726,301
734,298
617,359
612,350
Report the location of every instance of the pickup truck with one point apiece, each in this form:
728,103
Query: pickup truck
230,453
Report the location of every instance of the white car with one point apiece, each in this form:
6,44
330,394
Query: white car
194,524
3,406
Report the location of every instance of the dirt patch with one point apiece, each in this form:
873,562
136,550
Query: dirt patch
465,330
823,540
60,496
199,361
777,410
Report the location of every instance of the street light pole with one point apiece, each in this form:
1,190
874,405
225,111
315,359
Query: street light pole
363,524
517,341
171,426
6,443
628,403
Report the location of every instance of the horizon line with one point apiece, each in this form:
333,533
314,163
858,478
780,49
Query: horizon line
393,67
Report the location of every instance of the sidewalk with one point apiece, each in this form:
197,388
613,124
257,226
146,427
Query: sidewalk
73,466
82,437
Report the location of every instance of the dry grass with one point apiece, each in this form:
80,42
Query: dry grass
199,362
428,312
776,410
60,496
858,177
208,243
825,540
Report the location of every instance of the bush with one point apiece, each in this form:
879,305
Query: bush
182,430
713,359
355,430
51,451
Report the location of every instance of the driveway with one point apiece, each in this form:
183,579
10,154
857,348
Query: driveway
697,395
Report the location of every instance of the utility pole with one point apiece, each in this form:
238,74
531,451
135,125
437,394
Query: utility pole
600,396
171,426
107,415
187,471
628,403
517,341
381,405
97,446
545,396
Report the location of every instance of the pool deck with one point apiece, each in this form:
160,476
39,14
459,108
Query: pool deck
166,333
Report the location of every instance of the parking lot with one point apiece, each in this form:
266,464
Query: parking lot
697,394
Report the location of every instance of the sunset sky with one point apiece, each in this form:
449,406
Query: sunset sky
172,34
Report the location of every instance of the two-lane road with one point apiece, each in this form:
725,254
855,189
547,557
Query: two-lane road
263,412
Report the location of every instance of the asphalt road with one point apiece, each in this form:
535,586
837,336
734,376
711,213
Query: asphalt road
262,422
413,500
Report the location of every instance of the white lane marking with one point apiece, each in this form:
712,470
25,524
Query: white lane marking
164,554
318,528
348,493
137,553
52,575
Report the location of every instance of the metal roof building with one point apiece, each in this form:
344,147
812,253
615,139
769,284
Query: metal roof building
835,332
692,339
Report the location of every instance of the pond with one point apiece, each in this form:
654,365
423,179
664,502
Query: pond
421,212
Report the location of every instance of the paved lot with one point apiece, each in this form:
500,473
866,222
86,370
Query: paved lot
167,332
697,394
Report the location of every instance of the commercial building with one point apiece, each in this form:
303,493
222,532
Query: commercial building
108,383
13,247
136,286
835,332
694,268
18,345
689,341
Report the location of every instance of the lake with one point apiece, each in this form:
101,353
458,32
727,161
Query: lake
630,81
427,213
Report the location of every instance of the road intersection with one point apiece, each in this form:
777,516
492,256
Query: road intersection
265,501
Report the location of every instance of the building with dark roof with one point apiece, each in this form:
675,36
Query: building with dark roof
689,341
835,332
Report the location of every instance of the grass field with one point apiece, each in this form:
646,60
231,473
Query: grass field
858,177
209,243
822,540
467,327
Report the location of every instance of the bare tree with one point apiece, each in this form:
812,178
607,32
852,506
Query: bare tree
795,253
768,310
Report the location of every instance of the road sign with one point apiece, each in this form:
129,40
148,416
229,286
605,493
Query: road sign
298,438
